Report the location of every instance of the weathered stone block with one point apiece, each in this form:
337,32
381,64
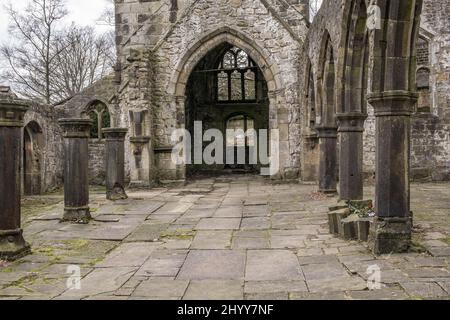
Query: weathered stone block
341,215
363,228
332,223
390,235
349,227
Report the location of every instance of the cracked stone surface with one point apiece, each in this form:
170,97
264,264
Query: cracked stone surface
237,237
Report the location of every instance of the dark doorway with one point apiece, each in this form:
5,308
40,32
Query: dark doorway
227,90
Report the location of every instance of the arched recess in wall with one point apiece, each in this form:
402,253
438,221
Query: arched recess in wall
309,133
327,128
33,145
393,63
227,84
326,93
99,113
310,101
356,61
268,73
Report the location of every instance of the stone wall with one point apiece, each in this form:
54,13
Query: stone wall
431,131
51,149
97,162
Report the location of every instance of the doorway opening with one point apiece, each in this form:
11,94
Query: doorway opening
227,91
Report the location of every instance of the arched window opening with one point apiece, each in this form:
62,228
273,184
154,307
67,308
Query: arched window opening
101,118
236,77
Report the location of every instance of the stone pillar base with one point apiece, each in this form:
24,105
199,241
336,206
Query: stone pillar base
12,245
118,193
140,185
80,215
329,191
390,235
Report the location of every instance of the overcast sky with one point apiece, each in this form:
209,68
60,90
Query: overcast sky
82,12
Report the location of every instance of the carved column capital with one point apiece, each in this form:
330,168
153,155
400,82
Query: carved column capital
12,112
76,128
115,133
351,121
393,103
329,132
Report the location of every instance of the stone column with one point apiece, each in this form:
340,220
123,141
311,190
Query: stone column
351,180
115,163
391,231
328,159
76,176
12,243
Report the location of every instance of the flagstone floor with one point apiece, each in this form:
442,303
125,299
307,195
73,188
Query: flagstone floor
233,237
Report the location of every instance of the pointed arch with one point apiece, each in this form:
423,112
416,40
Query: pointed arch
356,61
326,82
210,41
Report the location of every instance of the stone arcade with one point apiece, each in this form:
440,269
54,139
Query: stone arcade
351,103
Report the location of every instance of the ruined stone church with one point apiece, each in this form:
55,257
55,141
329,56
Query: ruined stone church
359,93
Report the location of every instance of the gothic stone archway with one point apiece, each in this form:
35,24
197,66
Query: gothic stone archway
228,37
227,84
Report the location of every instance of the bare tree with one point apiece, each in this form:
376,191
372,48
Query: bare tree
108,15
31,59
83,58
48,62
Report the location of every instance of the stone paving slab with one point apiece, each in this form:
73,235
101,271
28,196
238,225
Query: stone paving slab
252,287
128,255
386,293
213,264
215,290
250,243
100,281
256,223
267,296
265,265
149,232
161,288
219,224
163,263
219,239
338,295
229,212
424,289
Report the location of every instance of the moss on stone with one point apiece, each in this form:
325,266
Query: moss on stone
76,245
